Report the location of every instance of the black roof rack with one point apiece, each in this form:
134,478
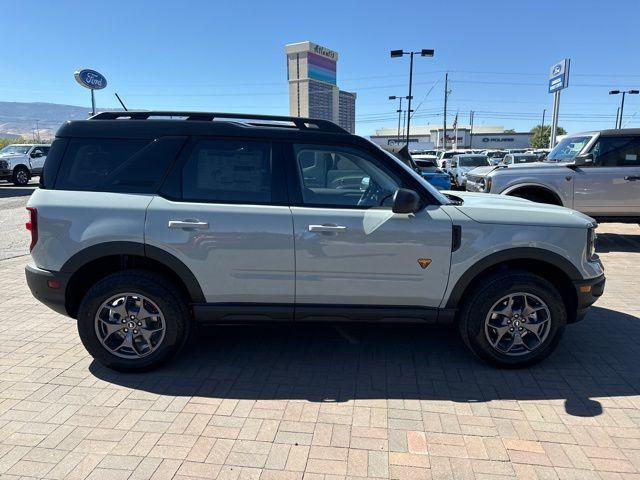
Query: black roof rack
297,122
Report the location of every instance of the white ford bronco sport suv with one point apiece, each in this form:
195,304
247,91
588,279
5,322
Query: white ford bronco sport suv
597,173
20,162
146,226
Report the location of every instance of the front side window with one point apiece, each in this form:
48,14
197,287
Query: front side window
344,177
617,152
228,171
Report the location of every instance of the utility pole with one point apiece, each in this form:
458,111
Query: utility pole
623,92
446,93
471,114
617,116
399,112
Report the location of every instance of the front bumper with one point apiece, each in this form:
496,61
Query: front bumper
42,282
588,291
5,173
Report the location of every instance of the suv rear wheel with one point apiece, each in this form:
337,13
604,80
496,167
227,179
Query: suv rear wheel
513,319
20,176
133,320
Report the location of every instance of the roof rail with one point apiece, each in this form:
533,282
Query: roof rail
298,122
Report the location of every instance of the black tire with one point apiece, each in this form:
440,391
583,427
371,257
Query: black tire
158,289
20,176
491,290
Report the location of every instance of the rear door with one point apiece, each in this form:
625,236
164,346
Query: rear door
351,249
611,185
224,213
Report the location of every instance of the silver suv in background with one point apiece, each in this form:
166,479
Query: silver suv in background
146,226
597,173
19,162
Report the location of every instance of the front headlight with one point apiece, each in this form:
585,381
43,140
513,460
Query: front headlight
485,184
591,242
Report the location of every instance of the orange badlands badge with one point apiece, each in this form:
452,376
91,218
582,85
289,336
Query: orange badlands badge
424,262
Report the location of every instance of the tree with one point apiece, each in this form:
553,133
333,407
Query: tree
540,139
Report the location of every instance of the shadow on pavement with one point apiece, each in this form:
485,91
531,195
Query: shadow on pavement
596,358
616,242
8,190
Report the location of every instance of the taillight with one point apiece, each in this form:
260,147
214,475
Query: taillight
32,226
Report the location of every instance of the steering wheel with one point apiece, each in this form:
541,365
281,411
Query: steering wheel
372,195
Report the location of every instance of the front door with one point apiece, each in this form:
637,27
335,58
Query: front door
351,249
37,158
223,213
611,185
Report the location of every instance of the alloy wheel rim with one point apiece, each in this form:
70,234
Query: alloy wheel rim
22,177
517,324
130,325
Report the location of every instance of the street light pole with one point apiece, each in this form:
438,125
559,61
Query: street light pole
399,53
623,92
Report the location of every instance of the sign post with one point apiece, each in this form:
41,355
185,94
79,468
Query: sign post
558,80
93,81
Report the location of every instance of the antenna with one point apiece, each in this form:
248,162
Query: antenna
121,102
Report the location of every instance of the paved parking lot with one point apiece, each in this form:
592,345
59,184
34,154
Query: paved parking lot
320,403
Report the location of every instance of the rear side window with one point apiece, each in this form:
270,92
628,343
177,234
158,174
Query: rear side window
228,171
116,165
51,166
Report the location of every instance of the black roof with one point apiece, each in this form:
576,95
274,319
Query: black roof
153,124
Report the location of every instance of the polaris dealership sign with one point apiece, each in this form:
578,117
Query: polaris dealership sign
559,76
90,79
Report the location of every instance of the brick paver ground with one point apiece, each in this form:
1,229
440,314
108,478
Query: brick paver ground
325,402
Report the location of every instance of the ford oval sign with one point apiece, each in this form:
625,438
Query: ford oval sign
90,79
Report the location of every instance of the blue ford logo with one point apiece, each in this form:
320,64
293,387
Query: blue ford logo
90,79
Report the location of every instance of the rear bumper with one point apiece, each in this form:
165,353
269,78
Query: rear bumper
42,282
588,291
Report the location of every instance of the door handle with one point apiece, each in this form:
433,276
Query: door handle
192,224
632,178
327,228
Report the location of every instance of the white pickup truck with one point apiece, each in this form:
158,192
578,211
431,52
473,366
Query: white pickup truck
20,162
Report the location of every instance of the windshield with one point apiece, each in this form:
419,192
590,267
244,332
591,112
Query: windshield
472,161
15,149
568,148
496,154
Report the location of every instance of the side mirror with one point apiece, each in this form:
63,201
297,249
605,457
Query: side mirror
405,201
582,160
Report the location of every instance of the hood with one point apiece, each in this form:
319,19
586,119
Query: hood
517,168
503,209
12,155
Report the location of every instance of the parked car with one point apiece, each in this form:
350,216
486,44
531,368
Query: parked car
514,158
423,164
597,173
495,156
428,165
19,162
209,218
462,164
446,155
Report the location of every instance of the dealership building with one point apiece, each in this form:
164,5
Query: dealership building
430,136
313,90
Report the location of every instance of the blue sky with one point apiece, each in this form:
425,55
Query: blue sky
229,56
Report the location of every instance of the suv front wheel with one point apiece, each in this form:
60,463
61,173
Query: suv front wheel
133,320
513,319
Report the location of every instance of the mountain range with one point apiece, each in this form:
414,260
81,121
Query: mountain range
23,119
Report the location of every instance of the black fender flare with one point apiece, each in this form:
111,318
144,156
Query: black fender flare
107,249
518,253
